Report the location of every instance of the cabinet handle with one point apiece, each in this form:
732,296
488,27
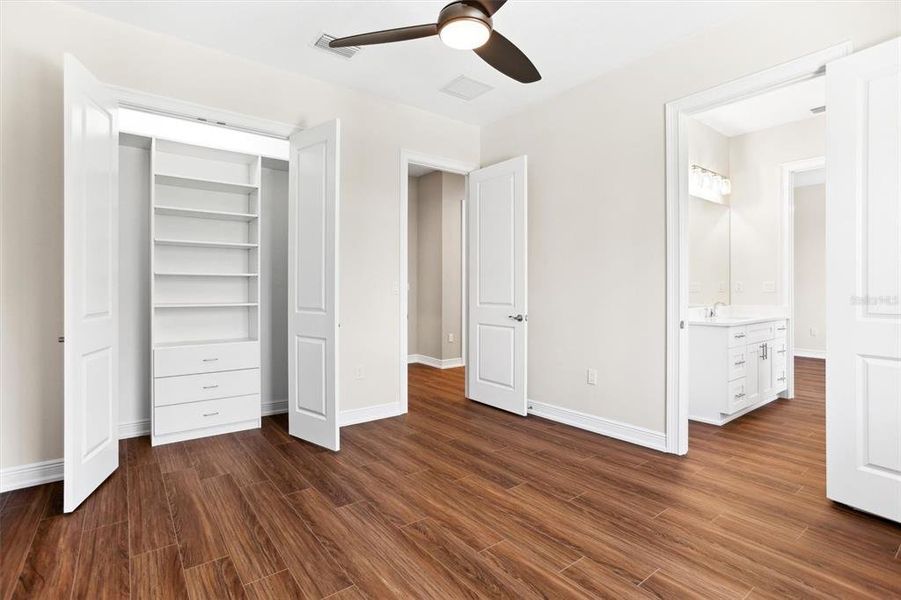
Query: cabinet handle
739,363
739,335
737,396
781,379
781,351
212,414
780,329
210,387
210,359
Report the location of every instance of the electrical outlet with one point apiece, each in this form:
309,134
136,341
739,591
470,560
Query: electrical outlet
814,332
358,372
395,288
769,287
694,287
450,338
592,376
739,287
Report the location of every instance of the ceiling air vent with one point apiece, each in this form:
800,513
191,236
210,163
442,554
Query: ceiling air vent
465,88
322,44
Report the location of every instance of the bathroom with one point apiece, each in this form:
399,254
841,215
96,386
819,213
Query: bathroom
756,250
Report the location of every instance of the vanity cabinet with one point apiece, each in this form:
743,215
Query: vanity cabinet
735,369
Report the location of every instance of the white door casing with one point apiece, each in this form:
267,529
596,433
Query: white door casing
91,286
498,304
863,280
312,285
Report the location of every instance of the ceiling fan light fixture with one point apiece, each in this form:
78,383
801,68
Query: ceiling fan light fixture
464,33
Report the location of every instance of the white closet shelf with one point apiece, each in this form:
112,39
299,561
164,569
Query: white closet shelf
199,213
211,185
182,343
179,274
203,244
203,304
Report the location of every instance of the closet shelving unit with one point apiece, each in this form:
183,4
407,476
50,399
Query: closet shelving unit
205,290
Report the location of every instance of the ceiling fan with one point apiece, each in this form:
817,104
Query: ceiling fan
465,25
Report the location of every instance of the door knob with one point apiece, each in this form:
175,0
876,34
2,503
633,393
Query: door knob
519,318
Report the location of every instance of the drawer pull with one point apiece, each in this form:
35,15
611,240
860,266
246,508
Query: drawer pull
210,387
780,329
212,414
739,363
781,379
210,359
781,351
741,395
739,335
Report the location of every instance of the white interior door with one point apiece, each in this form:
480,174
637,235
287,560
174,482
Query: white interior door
91,268
498,306
863,279
312,285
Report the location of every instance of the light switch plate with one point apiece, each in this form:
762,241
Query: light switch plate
592,376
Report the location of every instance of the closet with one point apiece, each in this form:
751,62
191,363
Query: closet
200,277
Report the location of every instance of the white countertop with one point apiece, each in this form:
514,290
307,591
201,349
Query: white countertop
732,321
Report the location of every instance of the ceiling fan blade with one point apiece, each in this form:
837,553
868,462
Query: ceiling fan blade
490,6
388,35
503,55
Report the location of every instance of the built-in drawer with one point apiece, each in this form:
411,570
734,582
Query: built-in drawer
738,361
205,386
737,336
759,332
738,396
206,358
779,349
780,377
781,329
209,413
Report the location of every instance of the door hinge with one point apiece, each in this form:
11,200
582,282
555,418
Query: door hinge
60,339
681,324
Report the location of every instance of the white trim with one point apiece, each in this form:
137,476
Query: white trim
369,413
23,476
641,436
189,110
807,353
274,407
676,199
438,363
438,163
741,413
133,429
787,255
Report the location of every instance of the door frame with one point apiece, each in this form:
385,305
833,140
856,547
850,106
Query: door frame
677,163
447,165
787,255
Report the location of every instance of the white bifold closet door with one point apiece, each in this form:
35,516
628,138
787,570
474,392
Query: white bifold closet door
91,399
498,303
863,280
312,285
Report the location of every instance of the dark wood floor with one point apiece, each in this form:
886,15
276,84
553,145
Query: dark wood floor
459,500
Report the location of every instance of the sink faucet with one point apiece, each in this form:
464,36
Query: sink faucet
714,307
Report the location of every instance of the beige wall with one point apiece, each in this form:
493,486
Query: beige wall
597,268
438,247
810,268
708,222
429,265
756,160
33,37
413,265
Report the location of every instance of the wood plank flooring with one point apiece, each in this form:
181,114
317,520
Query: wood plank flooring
458,500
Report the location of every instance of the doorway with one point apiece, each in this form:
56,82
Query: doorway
756,280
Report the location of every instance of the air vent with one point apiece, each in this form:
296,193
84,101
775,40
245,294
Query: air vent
818,109
322,44
465,88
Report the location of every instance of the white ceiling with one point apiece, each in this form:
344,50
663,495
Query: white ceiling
569,42
782,105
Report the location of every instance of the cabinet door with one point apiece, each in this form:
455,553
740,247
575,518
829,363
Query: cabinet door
765,383
753,356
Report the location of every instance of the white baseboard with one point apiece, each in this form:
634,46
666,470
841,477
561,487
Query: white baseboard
133,429
275,407
369,413
810,353
438,363
655,440
14,478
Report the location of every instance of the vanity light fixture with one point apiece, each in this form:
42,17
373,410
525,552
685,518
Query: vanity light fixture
708,183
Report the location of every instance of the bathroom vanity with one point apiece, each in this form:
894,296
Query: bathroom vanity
737,365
